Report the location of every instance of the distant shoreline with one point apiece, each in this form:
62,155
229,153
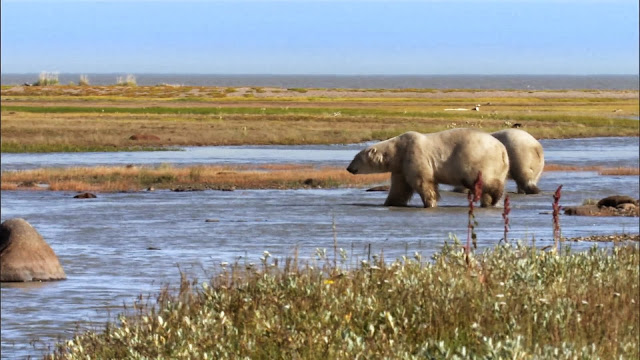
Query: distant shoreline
494,82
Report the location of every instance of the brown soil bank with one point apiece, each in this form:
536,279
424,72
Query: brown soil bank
103,118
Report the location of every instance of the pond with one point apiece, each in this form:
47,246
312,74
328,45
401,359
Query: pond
103,243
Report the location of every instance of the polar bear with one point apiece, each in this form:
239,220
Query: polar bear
419,162
526,158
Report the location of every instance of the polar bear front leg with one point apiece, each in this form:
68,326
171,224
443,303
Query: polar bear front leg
400,192
429,194
428,191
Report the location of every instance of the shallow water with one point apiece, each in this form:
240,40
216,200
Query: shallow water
103,243
608,151
528,82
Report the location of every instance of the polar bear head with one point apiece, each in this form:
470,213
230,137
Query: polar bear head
369,161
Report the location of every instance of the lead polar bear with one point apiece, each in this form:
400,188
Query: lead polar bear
419,162
526,158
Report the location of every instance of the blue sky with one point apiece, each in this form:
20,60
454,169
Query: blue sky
321,37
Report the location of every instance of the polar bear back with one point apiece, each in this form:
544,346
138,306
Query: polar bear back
457,155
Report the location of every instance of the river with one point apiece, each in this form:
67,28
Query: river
104,244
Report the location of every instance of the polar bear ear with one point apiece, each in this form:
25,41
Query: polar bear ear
375,156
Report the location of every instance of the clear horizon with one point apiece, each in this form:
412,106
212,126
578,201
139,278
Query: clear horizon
346,38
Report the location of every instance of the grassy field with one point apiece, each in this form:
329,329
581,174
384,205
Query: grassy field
510,302
103,118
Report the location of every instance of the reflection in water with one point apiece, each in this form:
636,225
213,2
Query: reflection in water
103,243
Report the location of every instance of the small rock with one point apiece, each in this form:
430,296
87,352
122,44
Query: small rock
153,248
27,184
212,220
379,188
311,182
85,196
584,210
147,137
614,201
626,207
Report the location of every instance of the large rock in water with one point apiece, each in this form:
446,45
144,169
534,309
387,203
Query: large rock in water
25,256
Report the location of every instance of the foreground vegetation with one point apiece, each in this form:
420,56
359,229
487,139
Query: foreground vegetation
216,177
104,118
510,302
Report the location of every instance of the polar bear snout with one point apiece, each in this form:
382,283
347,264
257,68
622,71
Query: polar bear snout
352,169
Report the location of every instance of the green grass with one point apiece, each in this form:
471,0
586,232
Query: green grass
372,113
509,302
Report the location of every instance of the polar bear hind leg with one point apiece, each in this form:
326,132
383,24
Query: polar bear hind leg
491,193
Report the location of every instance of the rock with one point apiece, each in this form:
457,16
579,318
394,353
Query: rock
311,182
212,220
147,137
614,201
626,207
516,125
583,210
85,196
379,188
186,189
27,184
25,256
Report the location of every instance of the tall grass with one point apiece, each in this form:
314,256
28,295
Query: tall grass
129,80
47,78
509,302
84,80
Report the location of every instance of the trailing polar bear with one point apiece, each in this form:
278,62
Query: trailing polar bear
526,158
419,162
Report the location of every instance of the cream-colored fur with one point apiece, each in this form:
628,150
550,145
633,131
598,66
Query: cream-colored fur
526,158
419,162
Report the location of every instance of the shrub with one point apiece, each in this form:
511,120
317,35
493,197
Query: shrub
47,78
84,80
130,80
508,302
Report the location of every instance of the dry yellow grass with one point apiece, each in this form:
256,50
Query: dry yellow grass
600,169
110,179
620,171
266,176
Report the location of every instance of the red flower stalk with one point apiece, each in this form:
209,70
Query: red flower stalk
556,216
473,197
505,216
